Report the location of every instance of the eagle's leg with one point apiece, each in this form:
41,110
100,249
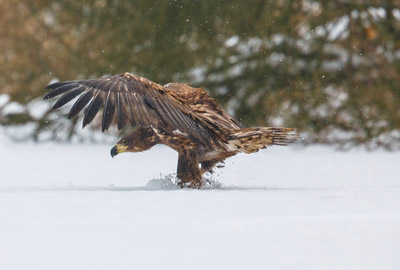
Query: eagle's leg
188,170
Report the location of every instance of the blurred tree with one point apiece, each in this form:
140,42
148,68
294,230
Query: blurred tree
328,68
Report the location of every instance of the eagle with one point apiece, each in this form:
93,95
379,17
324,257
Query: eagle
177,115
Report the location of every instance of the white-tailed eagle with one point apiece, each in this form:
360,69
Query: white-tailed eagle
185,119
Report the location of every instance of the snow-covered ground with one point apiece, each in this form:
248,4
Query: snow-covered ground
73,207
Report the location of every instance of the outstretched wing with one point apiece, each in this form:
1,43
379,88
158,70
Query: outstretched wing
134,100
205,106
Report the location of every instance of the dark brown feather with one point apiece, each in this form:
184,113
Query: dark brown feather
120,111
93,109
68,97
133,119
108,114
80,104
150,115
149,102
58,84
60,88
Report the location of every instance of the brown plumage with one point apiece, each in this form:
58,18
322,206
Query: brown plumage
184,118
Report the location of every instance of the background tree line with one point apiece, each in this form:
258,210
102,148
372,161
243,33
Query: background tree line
329,68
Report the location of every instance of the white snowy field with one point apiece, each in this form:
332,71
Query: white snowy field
73,207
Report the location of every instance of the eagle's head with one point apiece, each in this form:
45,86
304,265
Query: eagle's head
140,140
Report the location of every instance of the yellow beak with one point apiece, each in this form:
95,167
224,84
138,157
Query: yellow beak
117,149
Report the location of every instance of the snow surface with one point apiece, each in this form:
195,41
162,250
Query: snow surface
73,207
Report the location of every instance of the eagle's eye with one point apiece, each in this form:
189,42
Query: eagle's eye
123,142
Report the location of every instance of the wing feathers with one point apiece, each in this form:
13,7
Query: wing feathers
120,111
134,100
80,104
147,115
93,109
149,102
108,114
68,97
168,117
133,118
60,88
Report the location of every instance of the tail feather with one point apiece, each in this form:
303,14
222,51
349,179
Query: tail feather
250,140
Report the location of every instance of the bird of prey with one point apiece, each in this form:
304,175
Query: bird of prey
181,117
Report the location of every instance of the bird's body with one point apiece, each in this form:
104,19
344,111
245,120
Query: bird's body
183,118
